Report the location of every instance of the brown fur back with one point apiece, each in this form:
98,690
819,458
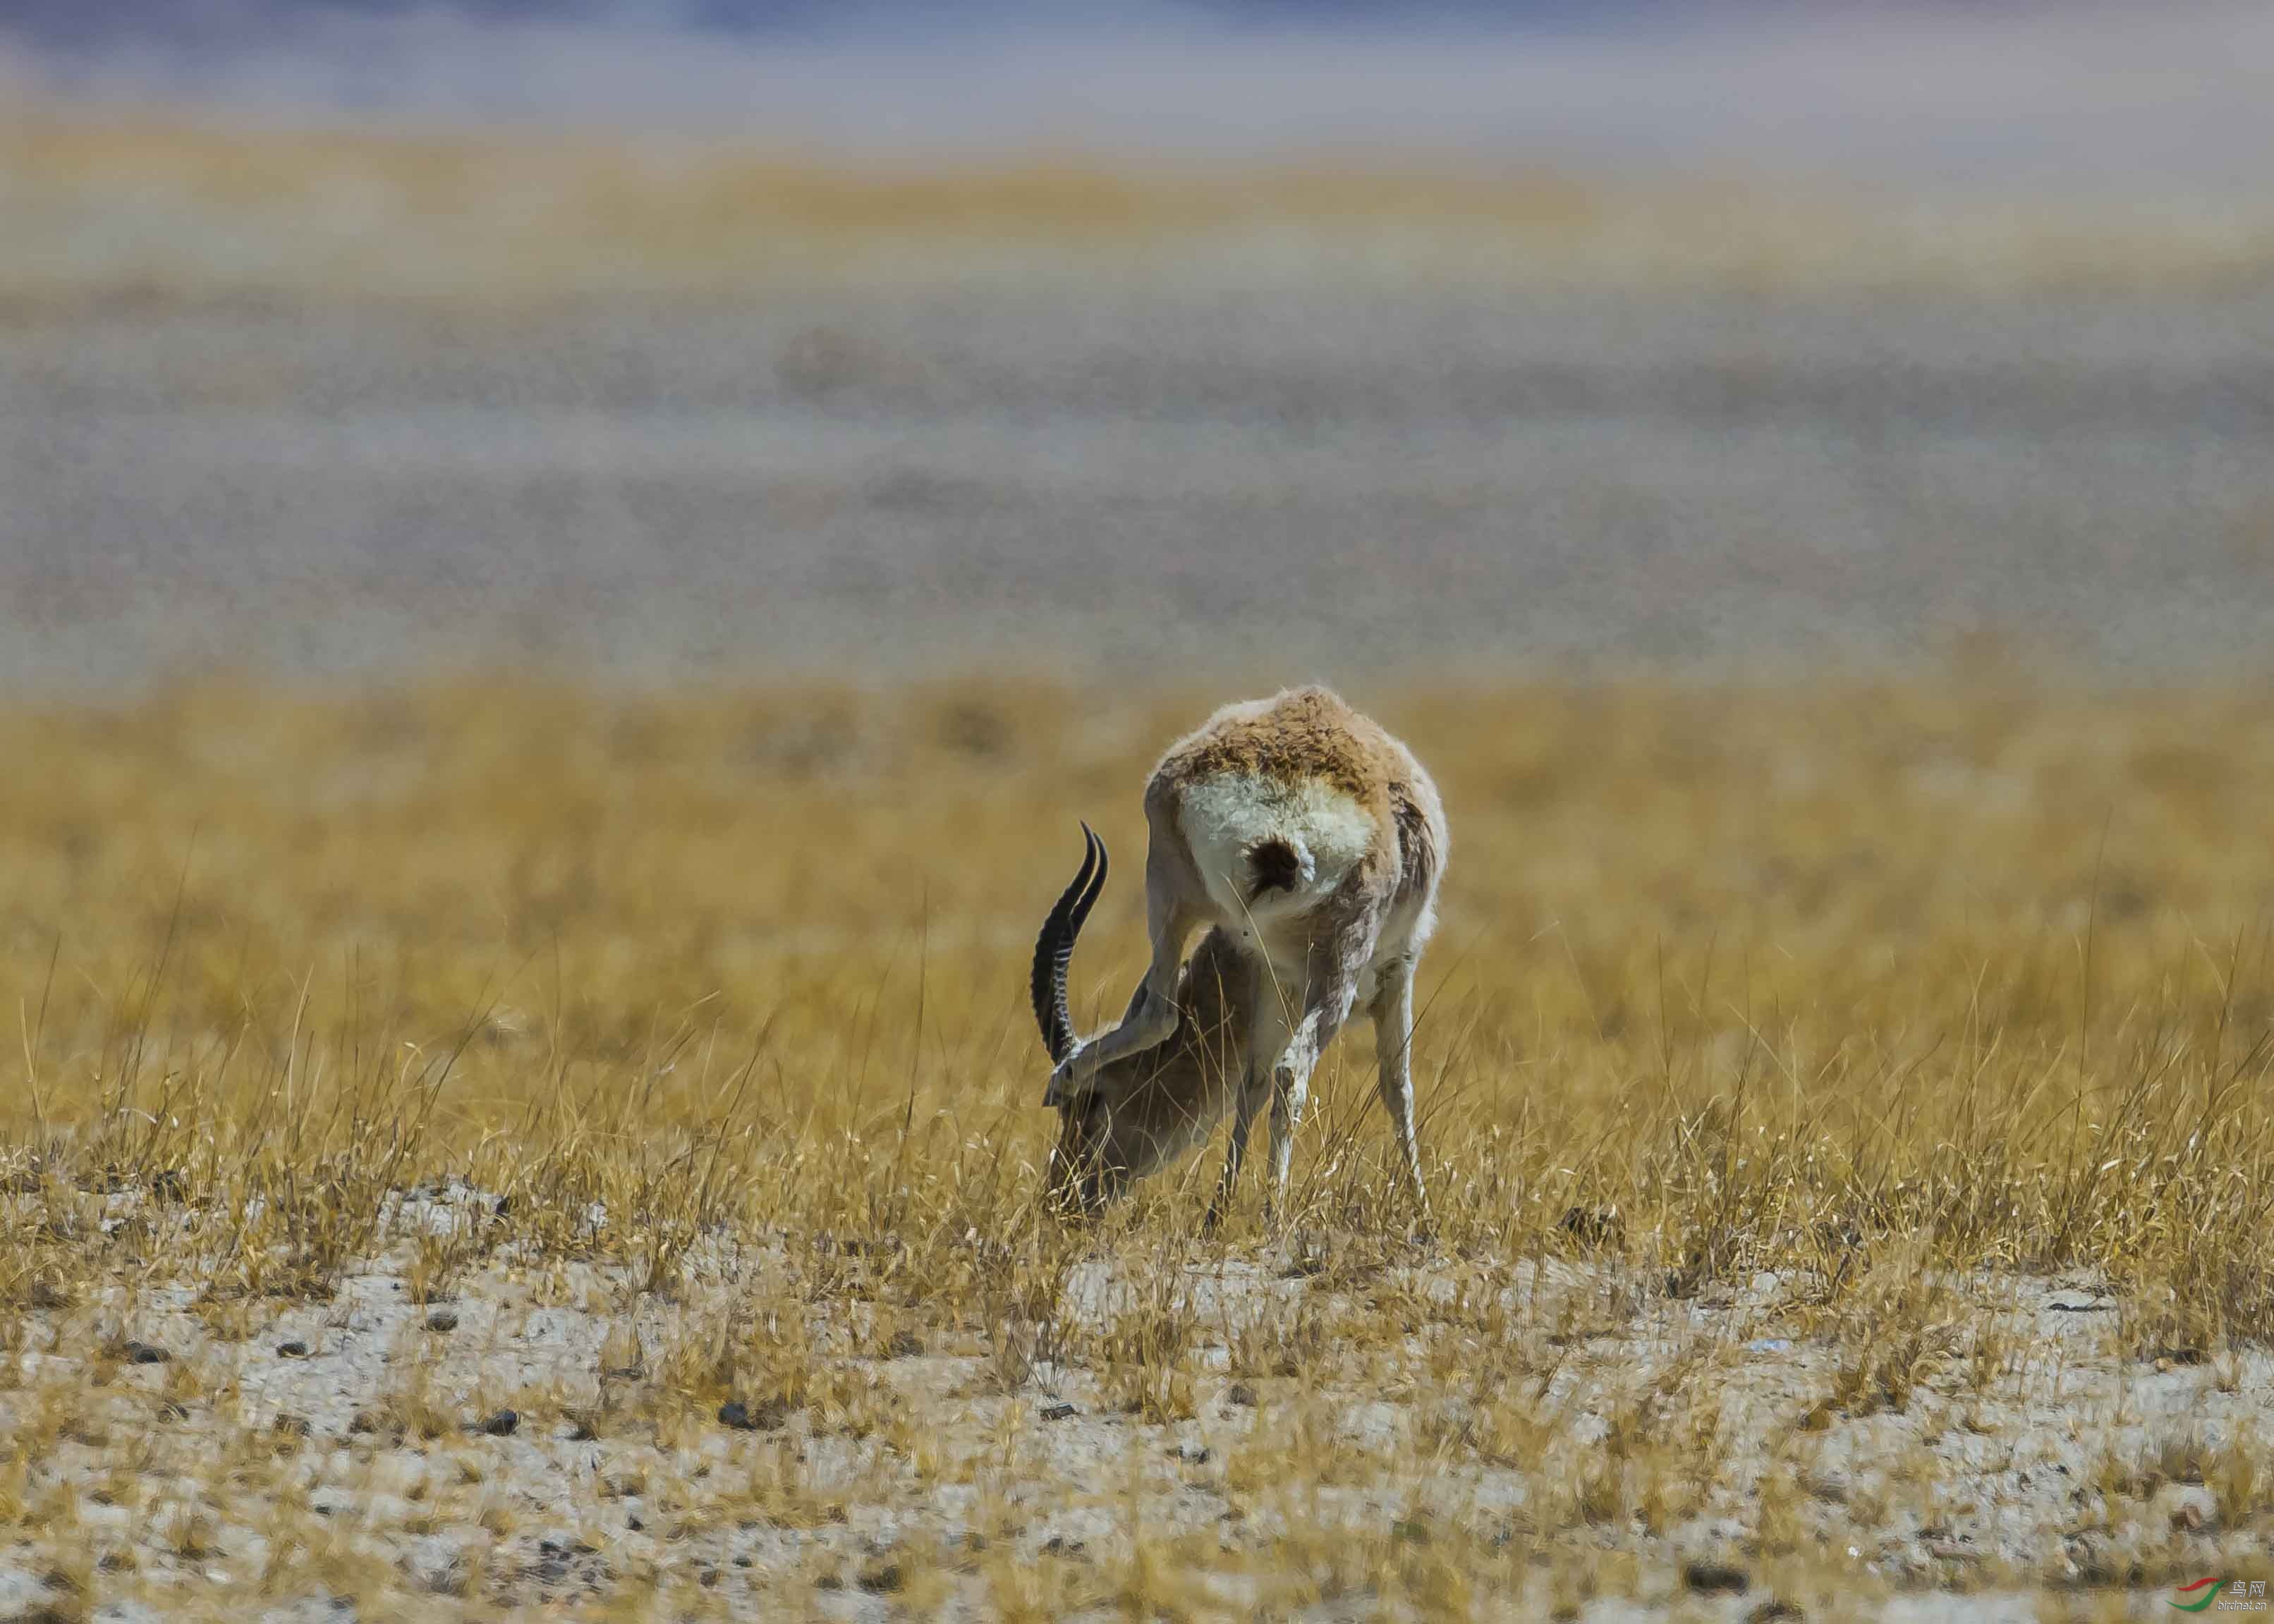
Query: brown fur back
1304,733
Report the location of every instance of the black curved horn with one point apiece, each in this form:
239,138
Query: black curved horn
1054,948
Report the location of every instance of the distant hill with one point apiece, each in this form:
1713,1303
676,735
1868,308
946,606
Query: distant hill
67,22
2033,97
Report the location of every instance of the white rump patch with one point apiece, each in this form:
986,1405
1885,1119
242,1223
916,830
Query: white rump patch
1226,816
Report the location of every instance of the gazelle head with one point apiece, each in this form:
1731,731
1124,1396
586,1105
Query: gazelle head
1138,1112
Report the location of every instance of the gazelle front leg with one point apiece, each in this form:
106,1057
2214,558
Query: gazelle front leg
1267,1038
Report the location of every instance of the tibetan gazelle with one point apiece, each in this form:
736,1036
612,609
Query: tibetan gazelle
1310,844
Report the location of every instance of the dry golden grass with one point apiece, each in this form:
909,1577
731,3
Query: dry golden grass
1846,1108
167,205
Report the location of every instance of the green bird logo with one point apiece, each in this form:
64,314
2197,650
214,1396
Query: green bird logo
2208,1588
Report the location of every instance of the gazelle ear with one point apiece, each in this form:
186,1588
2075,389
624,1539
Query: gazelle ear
1062,1092
1107,1085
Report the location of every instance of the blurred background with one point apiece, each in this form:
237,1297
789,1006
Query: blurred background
1245,341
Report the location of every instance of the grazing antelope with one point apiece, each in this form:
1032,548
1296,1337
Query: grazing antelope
1310,842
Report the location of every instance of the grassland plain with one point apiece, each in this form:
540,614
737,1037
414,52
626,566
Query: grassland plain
480,1148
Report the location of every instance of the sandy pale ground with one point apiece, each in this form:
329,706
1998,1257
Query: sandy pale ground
530,1437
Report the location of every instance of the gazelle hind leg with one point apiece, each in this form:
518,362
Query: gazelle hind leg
1326,1004
1291,1093
1393,1048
